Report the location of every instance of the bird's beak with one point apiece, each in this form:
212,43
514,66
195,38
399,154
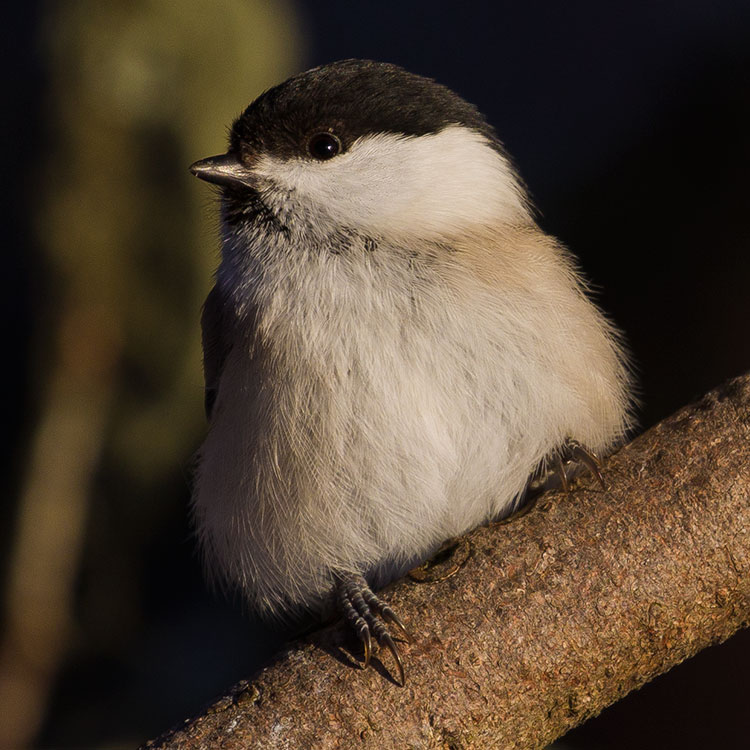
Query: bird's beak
225,169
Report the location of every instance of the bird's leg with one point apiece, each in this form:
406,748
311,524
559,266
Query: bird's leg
572,450
360,608
562,473
555,467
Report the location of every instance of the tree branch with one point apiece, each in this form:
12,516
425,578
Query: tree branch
554,616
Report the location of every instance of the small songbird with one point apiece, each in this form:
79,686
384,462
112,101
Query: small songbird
392,348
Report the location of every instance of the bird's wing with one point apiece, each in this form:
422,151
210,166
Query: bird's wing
217,342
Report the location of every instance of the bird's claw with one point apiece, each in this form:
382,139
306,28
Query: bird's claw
390,616
573,450
360,607
387,641
367,646
560,470
445,563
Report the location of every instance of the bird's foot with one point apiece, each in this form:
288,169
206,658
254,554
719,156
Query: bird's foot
360,608
572,451
554,472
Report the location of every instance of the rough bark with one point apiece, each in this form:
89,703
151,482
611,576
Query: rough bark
554,616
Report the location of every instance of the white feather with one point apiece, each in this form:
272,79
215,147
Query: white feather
396,185
420,347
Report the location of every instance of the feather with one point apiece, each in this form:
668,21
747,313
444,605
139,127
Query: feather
215,319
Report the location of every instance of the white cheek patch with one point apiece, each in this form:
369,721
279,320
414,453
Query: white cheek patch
392,185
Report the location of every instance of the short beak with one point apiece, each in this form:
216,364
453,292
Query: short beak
225,169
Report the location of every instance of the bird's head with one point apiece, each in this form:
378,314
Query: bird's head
365,147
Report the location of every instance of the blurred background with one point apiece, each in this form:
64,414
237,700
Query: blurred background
630,123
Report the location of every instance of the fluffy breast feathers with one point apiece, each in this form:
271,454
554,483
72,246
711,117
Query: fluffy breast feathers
374,394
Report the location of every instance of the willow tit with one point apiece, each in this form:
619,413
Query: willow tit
392,346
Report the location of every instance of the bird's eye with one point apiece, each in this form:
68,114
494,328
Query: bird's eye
324,146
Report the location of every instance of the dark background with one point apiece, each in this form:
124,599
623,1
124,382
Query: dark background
630,123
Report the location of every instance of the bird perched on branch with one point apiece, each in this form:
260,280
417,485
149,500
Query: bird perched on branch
392,347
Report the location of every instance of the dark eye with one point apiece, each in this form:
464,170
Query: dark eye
324,146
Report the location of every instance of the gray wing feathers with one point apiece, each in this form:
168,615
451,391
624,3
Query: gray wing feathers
216,343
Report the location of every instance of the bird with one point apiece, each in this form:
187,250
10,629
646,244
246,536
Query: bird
392,347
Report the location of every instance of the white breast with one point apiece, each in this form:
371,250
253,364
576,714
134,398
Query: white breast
389,403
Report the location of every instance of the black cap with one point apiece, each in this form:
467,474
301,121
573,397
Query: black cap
351,98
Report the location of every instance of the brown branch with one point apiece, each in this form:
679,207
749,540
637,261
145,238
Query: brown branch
555,615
